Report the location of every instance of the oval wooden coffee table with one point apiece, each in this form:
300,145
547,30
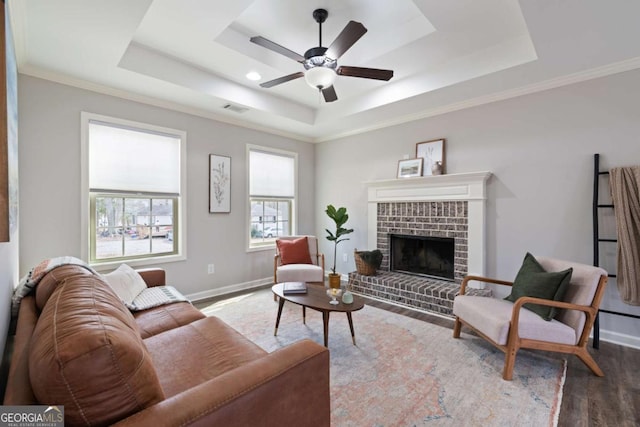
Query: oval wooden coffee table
317,299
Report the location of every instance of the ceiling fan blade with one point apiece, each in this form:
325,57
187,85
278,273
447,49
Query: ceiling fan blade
366,73
347,38
282,79
329,94
261,41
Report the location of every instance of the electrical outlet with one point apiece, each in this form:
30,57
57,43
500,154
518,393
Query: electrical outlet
211,269
345,257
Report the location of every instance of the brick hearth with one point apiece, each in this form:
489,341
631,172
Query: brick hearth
423,293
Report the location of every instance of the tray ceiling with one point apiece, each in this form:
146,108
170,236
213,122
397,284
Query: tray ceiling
194,55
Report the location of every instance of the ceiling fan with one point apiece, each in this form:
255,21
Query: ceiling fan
320,62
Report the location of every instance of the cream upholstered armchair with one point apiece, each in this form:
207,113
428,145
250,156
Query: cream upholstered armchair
509,326
296,261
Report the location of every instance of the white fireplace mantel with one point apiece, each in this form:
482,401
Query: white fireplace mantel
470,187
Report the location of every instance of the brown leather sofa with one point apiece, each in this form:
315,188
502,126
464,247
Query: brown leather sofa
77,345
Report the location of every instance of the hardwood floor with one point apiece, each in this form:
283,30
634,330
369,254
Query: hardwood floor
588,401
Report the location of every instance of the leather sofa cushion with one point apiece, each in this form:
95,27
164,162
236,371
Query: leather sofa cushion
159,319
192,354
86,354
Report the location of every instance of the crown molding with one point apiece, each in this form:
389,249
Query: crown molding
594,73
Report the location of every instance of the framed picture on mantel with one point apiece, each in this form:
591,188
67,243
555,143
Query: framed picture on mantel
409,168
433,154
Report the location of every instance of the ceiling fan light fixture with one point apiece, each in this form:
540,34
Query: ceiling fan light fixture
320,77
320,63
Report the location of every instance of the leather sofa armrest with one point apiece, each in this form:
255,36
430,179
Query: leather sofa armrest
18,387
287,387
153,276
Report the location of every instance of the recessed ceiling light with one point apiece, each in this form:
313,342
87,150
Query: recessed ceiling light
253,75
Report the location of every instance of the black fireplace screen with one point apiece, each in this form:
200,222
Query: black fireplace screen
426,256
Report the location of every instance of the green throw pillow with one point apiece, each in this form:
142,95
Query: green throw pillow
533,281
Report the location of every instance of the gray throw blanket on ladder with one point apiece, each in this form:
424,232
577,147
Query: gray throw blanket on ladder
625,193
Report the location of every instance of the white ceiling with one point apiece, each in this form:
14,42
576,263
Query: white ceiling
193,55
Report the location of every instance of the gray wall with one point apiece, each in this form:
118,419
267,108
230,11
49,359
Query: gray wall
50,184
540,149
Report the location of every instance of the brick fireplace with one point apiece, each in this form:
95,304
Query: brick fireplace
430,219
442,206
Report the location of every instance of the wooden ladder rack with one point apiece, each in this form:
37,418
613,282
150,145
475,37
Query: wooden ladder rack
596,243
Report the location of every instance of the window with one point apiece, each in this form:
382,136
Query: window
272,195
134,184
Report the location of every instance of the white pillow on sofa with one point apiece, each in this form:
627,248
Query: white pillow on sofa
126,282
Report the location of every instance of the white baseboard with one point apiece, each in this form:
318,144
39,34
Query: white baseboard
229,289
620,339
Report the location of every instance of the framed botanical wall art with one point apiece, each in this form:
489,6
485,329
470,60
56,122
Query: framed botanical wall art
219,184
409,168
433,154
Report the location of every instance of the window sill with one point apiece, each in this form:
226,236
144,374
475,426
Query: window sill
143,262
269,247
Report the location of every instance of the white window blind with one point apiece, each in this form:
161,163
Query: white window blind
130,160
272,175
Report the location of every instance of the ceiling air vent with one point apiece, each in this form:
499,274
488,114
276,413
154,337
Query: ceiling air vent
235,108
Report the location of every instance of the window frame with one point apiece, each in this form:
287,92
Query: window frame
180,211
270,245
117,195
263,200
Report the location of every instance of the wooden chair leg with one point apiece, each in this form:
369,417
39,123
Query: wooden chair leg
509,363
588,360
456,328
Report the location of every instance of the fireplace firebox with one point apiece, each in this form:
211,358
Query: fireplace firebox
422,255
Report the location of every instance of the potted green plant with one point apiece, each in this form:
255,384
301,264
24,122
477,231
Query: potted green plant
339,217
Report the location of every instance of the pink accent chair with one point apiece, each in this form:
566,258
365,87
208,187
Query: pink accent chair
509,326
300,272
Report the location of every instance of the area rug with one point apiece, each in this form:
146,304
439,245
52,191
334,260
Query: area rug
407,372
